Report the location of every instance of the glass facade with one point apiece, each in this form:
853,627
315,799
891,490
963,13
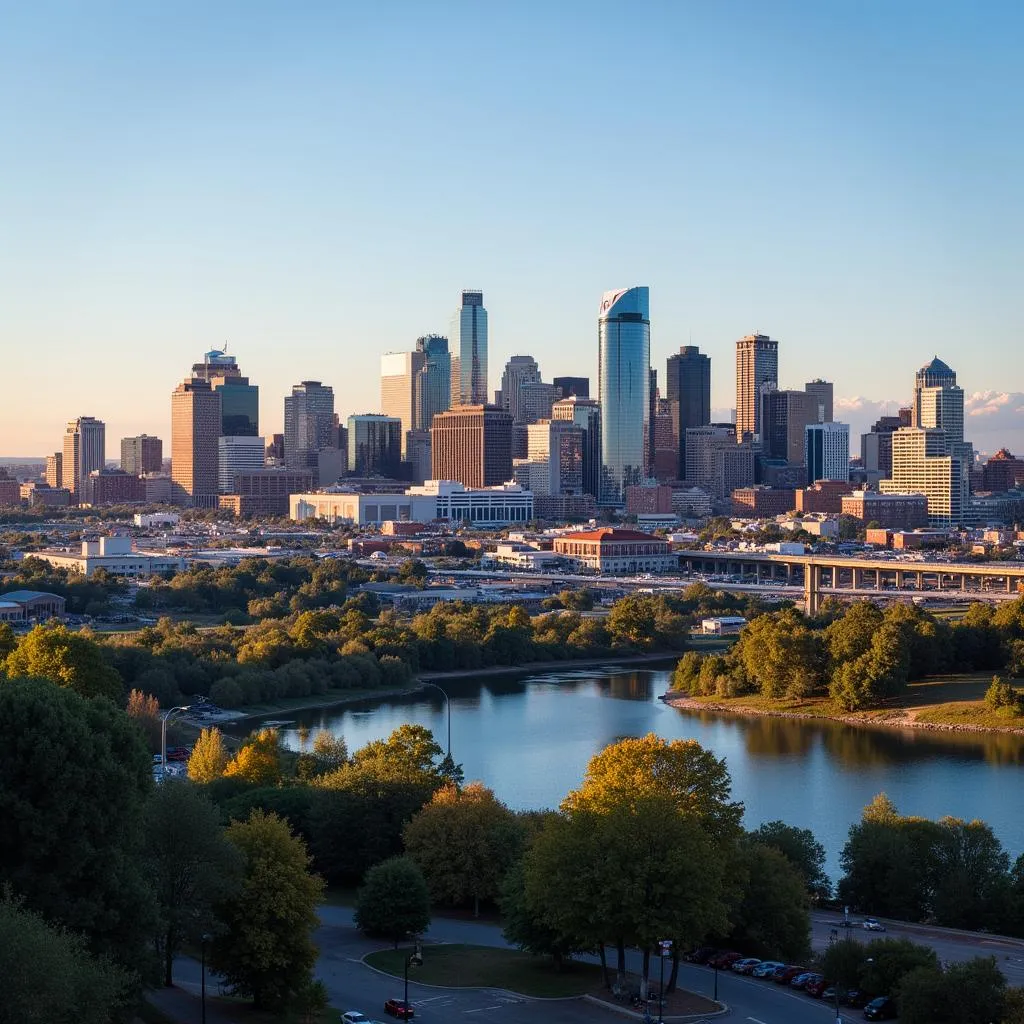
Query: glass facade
374,445
469,340
624,384
240,408
309,425
432,386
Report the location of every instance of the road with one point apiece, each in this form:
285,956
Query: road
353,985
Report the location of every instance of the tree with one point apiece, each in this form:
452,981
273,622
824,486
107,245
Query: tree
258,761
632,622
464,842
802,850
772,919
209,758
781,655
189,863
842,961
330,750
888,961
74,775
266,951
144,710
8,641
49,975
394,901
68,659
973,992
972,875
409,754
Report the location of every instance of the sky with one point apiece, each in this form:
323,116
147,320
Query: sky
312,184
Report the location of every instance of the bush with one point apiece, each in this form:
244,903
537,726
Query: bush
226,693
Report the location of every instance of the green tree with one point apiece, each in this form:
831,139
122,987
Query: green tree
888,961
409,754
802,850
265,950
68,659
464,841
632,622
49,977
842,962
772,919
8,641
209,758
973,992
781,655
190,864
394,901
972,875
74,776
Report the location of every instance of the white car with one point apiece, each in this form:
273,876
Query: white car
354,1017
872,924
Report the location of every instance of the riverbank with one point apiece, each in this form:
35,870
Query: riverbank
943,704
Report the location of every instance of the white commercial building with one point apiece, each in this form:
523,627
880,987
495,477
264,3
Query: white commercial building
115,555
238,455
924,461
827,448
436,499
523,556
149,520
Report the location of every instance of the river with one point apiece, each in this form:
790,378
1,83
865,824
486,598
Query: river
529,738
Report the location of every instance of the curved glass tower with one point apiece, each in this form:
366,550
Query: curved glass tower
624,383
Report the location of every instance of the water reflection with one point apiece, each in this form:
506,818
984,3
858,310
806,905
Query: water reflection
529,737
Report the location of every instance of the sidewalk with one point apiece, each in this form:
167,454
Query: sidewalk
181,1004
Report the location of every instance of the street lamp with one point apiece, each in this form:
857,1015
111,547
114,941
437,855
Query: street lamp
666,949
448,706
202,983
416,959
167,716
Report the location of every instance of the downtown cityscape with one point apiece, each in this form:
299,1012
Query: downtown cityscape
511,514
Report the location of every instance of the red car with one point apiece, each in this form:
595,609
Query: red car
816,987
399,1008
724,960
786,976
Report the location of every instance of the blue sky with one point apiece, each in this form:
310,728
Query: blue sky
314,183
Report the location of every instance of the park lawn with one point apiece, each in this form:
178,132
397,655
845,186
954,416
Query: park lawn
974,713
464,966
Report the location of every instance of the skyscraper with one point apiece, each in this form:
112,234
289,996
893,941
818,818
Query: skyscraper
473,445
922,463
240,400
469,358
309,424
827,448
935,374
54,469
374,445
238,453
688,390
85,441
519,370
757,364
432,385
821,392
586,414
555,456
624,387
142,454
398,373
784,419
195,434
569,386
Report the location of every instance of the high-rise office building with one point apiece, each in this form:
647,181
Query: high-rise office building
922,463
309,424
374,445
85,442
469,351
569,386
519,370
236,454
821,392
417,454
688,391
432,385
701,442
142,454
585,413
473,445
935,374
240,400
784,418
398,373
624,387
827,447
54,469
195,434
757,365
876,445
555,454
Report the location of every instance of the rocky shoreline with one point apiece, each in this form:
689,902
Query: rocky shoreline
896,720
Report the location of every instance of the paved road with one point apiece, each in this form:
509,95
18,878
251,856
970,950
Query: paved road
352,985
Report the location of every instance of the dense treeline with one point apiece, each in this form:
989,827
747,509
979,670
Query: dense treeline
858,655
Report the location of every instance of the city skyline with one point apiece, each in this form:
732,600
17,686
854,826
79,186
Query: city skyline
243,191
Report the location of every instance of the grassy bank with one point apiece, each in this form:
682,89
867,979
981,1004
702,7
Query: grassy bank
941,702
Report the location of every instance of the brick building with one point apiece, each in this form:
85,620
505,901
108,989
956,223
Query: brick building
617,551
763,502
891,511
823,496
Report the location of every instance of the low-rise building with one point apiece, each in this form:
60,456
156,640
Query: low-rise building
112,487
524,556
722,625
115,555
30,605
156,519
265,492
651,497
617,551
45,497
891,511
823,496
763,502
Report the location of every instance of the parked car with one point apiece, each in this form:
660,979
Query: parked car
724,960
787,974
817,987
746,965
872,924
882,1008
354,1017
854,998
399,1008
766,968
800,980
700,955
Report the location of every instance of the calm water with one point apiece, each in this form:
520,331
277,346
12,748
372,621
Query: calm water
529,739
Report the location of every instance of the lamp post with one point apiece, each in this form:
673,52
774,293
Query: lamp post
715,996
416,959
168,715
448,707
666,949
202,983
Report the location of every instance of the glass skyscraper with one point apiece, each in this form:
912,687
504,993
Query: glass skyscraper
624,385
432,386
469,351
688,390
